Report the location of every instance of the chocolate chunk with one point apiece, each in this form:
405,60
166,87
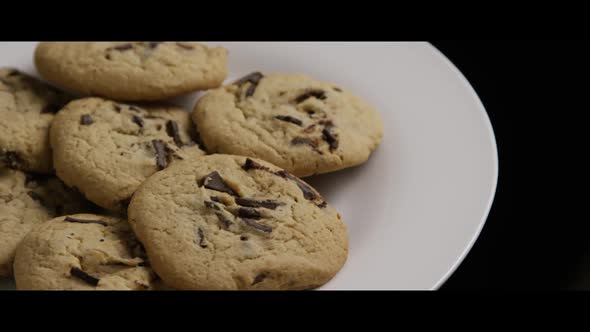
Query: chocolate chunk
172,131
288,118
243,238
186,46
259,278
153,45
214,181
101,240
50,108
86,120
117,108
161,154
123,47
306,141
216,199
83,221
309,129
201,238
326,122
323,204
260,227
319,94
329,136
251,164
253,78
138,120
11,159
134,109
76,272
223,220
249,213
310,112
267,204
212,205
35,196
308,192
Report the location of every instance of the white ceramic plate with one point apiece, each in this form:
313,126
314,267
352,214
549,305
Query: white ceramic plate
416,208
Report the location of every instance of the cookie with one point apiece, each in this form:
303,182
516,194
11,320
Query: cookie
223,222
82,252
132,71
107,149
293,121
27,200
27,107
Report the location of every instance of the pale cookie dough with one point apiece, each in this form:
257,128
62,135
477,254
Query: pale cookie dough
107,149
27,107
296,122
222,222
82,252
132,70
27,200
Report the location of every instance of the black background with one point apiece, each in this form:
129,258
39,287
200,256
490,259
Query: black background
530,90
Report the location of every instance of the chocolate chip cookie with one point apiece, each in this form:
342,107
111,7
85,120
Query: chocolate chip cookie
107,149
298,123
132,70
232,222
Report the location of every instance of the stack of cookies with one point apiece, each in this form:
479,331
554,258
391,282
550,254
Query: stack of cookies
105,185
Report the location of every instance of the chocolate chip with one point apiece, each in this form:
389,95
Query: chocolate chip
101,240
212,205
172,131
308,192
123,47
253,78
201,238
319,94
134,109
86,120
214,181
306,141
50,108
267,204
251,164
259,278
216,199
138,120
83,221
288,118
76,272
323,204
309,129
310,112
185,46
35,197
159,127
223,220
329,136
117,108
249,213
260,227
153,45
243,238
161,154
11,159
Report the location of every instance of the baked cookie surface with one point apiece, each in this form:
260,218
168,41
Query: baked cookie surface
132,70
27,200
298,123
107,149
82,252
27,107
231,222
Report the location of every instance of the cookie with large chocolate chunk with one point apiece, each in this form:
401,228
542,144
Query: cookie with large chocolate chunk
107,149
225,222
27,200
82,252
132,71
296,122
27,107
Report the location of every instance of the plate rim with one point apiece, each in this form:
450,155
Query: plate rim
492,136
